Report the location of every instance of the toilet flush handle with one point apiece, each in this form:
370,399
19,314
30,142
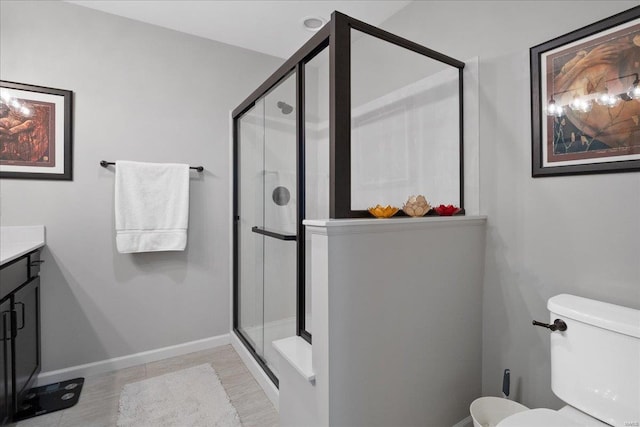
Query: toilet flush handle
558,325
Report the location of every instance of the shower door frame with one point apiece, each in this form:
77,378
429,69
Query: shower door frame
340,109
335,36
295,64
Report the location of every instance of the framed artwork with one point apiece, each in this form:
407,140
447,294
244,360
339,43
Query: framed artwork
585,99
35,132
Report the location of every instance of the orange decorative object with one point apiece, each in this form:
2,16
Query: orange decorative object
383,211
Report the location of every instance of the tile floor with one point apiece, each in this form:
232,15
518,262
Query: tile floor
98,405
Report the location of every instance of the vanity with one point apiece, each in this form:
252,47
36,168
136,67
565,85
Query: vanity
20,262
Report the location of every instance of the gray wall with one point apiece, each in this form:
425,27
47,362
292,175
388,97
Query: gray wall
546,236
141,93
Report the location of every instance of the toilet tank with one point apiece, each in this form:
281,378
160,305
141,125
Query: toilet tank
595,363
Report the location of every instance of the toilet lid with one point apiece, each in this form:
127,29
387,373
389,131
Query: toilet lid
537,418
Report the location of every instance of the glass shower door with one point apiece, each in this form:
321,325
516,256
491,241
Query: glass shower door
250,314
280,215
267,216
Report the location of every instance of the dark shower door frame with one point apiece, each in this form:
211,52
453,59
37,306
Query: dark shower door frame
336,36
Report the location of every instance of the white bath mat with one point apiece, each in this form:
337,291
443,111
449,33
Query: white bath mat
190,397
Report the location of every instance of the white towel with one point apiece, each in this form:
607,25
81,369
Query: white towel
152,206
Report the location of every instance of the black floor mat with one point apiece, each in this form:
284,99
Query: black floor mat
49,398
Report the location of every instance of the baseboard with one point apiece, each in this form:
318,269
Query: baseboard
467,422
130,360
256,370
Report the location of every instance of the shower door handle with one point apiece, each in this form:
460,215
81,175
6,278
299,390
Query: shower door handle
274,234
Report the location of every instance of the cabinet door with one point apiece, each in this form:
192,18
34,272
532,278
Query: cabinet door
26,344
5,362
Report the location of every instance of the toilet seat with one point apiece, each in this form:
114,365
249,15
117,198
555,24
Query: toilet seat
538,418
580,417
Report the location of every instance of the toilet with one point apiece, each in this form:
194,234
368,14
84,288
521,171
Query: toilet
595,366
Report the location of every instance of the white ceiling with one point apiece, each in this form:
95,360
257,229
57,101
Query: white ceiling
268,26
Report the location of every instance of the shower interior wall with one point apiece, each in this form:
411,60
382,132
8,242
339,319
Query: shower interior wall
280,171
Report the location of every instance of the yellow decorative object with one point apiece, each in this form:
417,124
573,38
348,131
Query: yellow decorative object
383,211
416,206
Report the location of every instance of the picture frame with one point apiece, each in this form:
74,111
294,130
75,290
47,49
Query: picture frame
35,132
585,99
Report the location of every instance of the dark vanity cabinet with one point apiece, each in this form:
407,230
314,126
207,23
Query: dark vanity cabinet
20,323
5,362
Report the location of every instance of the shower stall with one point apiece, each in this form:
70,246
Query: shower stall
356,117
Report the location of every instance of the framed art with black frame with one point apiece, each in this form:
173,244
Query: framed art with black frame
585,99
35,132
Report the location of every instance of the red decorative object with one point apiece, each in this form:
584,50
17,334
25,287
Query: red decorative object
446,210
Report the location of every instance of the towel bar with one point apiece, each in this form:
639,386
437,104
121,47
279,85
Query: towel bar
104,164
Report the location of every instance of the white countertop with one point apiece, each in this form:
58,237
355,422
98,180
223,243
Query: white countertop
19,240
365,222
383,225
